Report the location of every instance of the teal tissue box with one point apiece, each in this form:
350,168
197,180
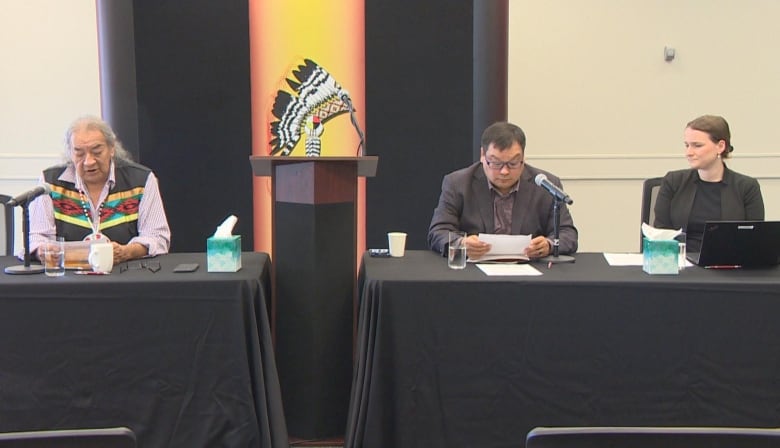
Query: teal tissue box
660,257
223,254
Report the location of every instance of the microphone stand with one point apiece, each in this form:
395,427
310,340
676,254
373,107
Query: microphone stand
26,268
555,258
362,145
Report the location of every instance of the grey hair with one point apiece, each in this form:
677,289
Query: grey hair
92,123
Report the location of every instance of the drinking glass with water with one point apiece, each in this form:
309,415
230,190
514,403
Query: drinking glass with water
54,257
456,257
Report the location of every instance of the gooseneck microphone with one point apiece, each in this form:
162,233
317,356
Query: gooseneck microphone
28,196
560,197
553,189
348,101
24,200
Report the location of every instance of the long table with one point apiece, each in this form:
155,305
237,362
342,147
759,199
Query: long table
182,359
460,359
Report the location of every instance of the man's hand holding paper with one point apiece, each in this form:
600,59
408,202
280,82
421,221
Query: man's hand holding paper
475,247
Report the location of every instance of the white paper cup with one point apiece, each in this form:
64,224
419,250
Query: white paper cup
396,242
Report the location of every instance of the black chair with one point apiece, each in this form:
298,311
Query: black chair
70,438
649,193
652,437
6,226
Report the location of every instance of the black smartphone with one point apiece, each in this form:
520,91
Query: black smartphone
379,252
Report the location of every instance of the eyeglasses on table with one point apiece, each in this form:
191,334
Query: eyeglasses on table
151,266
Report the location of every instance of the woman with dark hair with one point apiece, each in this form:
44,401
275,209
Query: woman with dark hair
709,190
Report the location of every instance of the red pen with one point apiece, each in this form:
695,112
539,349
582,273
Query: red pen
723,266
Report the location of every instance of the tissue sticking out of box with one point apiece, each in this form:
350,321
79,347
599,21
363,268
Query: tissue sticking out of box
223,250
225,229
653,234
660,252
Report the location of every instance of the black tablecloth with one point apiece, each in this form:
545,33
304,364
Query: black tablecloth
459,359
183,359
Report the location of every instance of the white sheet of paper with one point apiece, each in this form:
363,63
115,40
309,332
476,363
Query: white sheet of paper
623,259
508,269
506,244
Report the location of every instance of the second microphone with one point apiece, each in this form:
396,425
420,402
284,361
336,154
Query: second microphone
553,189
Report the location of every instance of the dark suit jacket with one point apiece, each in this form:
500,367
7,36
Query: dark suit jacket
740,200
467,204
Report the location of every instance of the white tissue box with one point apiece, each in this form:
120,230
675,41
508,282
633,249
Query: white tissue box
660,256
223,254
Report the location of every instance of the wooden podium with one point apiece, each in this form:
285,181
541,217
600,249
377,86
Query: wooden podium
314,234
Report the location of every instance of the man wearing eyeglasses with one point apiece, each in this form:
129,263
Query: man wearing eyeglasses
498,195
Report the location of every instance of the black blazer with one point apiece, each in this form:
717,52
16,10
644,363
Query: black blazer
740,200
466,204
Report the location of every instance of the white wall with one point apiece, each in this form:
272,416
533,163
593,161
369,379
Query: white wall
603,110
49,76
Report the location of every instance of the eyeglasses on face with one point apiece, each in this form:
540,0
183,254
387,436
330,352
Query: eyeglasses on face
498,166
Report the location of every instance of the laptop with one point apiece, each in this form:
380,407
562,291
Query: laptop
736,244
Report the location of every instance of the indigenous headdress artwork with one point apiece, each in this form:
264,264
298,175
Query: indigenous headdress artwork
315,98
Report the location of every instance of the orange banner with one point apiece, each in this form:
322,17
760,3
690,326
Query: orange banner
301,52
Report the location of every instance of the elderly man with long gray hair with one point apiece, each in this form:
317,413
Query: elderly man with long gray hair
100,193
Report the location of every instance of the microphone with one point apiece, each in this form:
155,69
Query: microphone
28,196
553,189
348,101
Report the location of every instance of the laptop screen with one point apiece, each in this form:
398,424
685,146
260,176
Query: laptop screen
739,244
